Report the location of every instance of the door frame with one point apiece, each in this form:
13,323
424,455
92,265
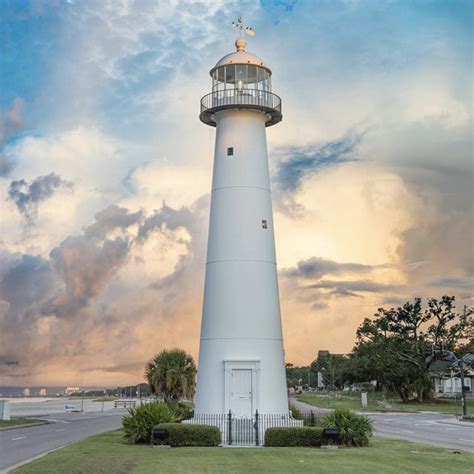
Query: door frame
254,366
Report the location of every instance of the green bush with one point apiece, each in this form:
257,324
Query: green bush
140,421
294,436
309,419
354,429
182,410
295,412
182,434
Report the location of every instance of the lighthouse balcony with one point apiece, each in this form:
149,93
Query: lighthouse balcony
263,101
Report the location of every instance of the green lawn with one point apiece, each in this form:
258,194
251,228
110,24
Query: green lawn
18,422
105,399
108,453
376,402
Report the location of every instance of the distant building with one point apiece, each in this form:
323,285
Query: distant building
42,392
447,379
71,390
26,392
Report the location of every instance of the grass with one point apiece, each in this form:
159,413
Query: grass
105,399
108,453
18,422
376,402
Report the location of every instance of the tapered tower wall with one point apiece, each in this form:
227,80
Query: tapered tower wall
241,324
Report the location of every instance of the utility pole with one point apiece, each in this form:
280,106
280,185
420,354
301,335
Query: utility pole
460,364
463,393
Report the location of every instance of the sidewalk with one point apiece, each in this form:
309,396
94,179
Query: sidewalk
466,424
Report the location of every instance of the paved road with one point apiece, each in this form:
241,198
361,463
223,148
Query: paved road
34,409
21,444
437,429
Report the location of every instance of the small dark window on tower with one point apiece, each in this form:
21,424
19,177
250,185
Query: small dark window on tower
264,224
230,151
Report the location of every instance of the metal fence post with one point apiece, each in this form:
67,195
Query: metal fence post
257,441
229,417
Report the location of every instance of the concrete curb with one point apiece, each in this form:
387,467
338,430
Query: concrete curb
26,425
27,461
464,424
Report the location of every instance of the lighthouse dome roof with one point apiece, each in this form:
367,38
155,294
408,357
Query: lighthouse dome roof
240,57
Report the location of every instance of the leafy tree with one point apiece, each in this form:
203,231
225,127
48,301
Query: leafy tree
172,375
333,368
396,347
296,376
465,348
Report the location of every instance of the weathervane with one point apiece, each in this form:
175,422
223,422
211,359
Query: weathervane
239,24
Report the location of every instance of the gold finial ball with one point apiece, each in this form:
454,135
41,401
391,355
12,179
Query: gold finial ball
240,44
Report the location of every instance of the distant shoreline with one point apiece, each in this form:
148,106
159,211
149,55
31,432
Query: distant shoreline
28,399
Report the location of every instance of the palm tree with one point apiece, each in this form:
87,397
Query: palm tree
171,374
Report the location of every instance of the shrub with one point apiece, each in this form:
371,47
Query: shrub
182,434
354,429
296,412
294,436
181,410
309,419
140,421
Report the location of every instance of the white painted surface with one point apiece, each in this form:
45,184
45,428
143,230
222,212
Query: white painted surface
364,399
240,57
241,324
4,410
241,394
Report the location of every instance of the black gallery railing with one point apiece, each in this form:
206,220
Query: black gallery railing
240,431
245,97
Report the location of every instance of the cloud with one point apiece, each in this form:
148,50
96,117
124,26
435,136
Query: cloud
86,267
111,218
10,124
6,165
27,280
168,216
26,283
279,10
96,287
465,283
367,206
11,121
27,197
317,267
304,161
352,287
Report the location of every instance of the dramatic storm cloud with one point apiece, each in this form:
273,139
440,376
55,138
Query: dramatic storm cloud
103,160
303,161
27,197
317,267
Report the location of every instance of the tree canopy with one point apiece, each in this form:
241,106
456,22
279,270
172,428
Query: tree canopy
171,374
397,346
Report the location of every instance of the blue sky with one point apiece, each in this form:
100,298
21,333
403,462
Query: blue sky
100,145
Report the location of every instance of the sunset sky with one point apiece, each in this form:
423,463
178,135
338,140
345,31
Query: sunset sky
105,172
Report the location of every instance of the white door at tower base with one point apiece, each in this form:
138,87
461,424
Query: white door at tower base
241,393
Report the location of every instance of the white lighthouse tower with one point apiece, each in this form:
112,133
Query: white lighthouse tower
241,359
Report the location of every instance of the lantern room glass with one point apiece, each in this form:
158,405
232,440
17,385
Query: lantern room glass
243,77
